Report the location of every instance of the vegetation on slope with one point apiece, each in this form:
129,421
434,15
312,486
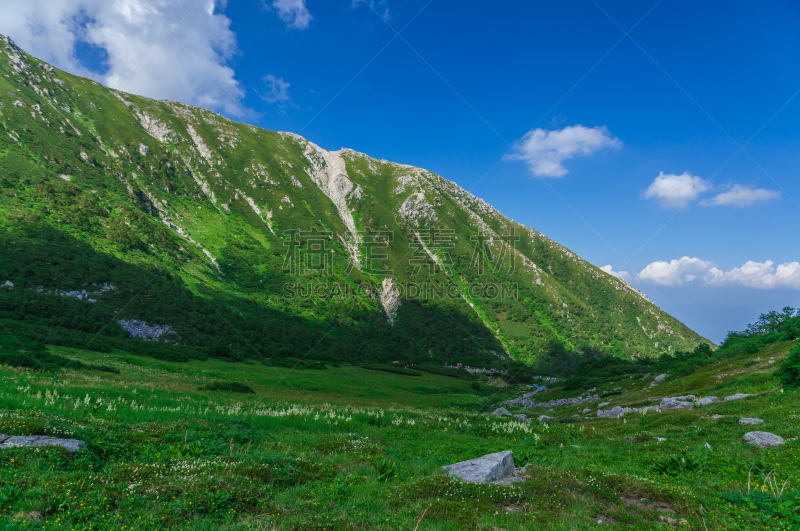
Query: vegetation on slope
194,219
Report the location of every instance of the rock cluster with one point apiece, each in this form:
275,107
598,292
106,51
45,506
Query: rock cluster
143,330
525,401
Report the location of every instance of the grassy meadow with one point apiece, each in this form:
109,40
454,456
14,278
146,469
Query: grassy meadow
350,448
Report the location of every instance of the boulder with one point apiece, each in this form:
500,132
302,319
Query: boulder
674,403
659,439
8,284
749,421
544,418
706,400
659,378
603,404
501,412
611,413
737,396
484,469
35,441
586,410
762,439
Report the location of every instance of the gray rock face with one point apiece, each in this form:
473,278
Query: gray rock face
659,378
750,421
501,412
674,403
484,469
737,396
35,441
706,400
611,413
8,284
762,439
144,150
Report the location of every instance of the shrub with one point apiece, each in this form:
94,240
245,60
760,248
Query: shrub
229,387
789,372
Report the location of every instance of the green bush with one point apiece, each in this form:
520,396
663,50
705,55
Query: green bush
789,373
229,387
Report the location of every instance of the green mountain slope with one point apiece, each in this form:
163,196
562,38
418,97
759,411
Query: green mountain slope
254,243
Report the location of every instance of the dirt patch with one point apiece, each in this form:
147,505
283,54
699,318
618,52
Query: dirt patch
647,504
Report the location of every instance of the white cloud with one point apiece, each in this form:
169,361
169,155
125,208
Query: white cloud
756,275
741,196
622,275
675,272
544,151
189,65
293,12
277,90
762,275
676,191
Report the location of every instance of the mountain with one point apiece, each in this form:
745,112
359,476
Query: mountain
124,218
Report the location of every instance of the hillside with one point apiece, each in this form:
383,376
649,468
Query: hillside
309,450
121,215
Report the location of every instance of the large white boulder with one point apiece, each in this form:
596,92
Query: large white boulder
762,439
484,469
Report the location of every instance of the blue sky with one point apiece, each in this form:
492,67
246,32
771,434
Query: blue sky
673,140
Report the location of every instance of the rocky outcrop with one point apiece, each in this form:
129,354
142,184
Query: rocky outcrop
484,469
36,441
762,439
390,299
142,330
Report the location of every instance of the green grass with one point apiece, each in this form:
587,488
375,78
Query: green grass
304,452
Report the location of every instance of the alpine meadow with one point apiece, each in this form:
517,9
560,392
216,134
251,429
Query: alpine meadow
207,325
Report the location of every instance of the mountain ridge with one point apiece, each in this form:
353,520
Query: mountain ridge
220,207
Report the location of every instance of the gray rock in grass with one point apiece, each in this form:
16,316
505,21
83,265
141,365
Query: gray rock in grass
35,441
484,469
750,421
762,439
737,396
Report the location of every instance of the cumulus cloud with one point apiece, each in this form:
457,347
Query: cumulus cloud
544,151
676,191
164,49
622,275
675,272
762,275
742,196
698,272
293,12
277,90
